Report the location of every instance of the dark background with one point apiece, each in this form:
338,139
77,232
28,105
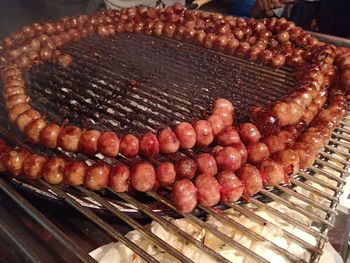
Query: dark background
16,13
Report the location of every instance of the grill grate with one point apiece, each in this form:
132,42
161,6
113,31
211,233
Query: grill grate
136,83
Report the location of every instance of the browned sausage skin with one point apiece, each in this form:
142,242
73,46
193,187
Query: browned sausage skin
208,190
53,170
119,178
33,165
75,172
143,176
108,144
97,176
231,187
184,195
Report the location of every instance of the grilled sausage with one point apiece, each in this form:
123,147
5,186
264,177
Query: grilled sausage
49,135
149,145
108,144
248,133
166,174
206,164
53,170
184,195
228,158
204,133
251,179
129,145
231,187
33,165
186,135
75,172
119,178
168,142
208,190
97,176
69,137
228,136
186,168
88,142
143,176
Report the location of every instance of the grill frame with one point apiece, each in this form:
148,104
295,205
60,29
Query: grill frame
300,179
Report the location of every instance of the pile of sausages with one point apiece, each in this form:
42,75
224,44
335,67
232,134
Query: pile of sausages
232,161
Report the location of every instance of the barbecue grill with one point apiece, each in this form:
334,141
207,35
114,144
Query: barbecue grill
138,83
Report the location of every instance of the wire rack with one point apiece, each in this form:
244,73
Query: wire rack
136,83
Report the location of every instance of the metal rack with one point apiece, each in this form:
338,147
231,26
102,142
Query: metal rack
138,83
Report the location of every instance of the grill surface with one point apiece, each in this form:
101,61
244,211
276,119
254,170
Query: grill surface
136,83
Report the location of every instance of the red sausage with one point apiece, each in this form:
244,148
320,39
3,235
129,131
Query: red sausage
228,158
186,168
143,176
53,170
204,133
88,142
108,144
208,190
242,150
271,172
257,152
251,179
274,143
97,176
206,164
68,138
33,165
129,145
49,135
168,142
27,117
18,110
184,195
75,172
149,145
13,161
223,104
217,123
289,159
119,178
166,174
228,136
231,187
186,135
249,133
306,154
226,116
34,129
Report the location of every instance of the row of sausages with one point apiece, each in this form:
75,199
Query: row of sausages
209,187
90,142
272,42
289,111
227,158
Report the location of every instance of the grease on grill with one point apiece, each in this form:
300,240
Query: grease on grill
137,83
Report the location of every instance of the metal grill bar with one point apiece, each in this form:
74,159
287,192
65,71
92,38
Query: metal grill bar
211,229
335,158
226,220
183,79
320,182
166,224
136,225
40,218
313,189
101,223
307,200
296,207
259,219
